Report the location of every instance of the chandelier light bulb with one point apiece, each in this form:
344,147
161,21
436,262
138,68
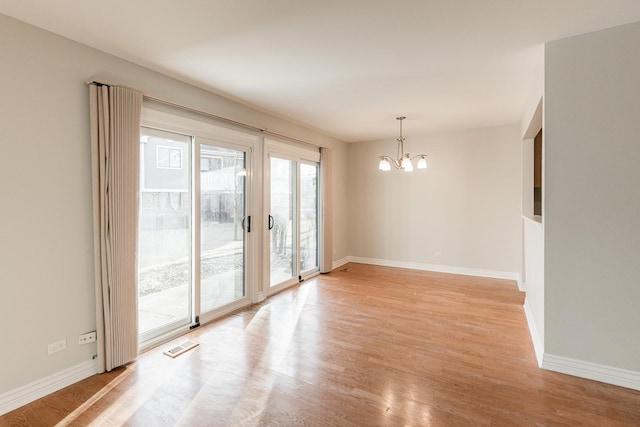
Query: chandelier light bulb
422,162
407,165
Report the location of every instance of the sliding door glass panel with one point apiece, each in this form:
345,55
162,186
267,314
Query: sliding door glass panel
281,221
164,248
223,224
308,217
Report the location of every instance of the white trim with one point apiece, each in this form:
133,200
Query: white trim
522,286
538,345
592,371
163,190
508,275
310,274
295,151
339,263
535,220
14,399
292,281
219,131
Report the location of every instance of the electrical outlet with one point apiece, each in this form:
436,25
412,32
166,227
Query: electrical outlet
87,338
57,346
437,254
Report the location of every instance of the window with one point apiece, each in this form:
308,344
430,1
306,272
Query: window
204,250
208,164
169,157
194,224
292,209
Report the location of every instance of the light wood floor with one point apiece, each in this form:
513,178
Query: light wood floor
372,346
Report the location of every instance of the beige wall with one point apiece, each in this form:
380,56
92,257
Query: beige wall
592,200
466,205
46,246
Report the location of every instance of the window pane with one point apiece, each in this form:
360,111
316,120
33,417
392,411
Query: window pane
175,158
283,255
163,157
222,206
308,217
164,233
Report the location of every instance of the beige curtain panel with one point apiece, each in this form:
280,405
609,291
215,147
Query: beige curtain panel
326,185
115,151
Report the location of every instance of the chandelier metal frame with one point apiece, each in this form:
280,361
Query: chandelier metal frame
404,160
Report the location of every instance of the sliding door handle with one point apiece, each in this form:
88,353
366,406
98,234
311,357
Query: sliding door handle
270,222
248,222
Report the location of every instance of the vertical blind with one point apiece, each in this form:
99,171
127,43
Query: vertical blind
326,186
115,151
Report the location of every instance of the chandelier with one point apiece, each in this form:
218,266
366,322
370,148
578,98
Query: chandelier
404,160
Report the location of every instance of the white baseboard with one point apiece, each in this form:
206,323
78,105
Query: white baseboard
340,262
14,399
522,286
538,346
508,275
592,371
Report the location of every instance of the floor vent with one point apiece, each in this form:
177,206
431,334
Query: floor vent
182,348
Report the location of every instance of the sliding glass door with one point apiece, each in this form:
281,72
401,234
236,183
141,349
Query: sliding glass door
309,207
200,246
194,228
292,212
283,248
165,232
223,222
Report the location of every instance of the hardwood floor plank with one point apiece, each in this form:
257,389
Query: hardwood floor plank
372,346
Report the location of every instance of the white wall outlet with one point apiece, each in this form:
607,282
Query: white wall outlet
437,254
87,338
57,346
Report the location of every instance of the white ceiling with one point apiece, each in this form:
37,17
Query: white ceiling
346,67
